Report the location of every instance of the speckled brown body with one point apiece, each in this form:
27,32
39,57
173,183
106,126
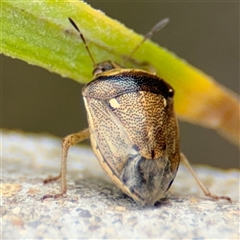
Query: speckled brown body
133,131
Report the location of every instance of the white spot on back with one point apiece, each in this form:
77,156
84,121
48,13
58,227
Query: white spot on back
164,102
114,103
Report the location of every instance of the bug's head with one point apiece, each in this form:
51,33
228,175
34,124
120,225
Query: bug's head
103,67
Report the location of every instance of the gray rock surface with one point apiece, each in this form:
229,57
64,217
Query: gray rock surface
95,208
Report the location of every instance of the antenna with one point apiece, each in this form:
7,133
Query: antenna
83,39
162,23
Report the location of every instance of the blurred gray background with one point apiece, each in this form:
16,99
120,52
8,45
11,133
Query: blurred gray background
206,34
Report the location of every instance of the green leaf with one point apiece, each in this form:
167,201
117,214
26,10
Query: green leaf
39,33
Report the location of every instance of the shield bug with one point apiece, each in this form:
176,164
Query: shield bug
133,130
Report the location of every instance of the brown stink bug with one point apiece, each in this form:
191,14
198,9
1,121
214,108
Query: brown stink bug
133,130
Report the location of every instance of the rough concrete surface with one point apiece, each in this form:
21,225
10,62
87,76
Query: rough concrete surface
95,208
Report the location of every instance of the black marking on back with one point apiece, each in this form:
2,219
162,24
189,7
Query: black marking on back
129,81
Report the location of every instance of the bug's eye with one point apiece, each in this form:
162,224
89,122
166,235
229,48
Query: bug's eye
97,71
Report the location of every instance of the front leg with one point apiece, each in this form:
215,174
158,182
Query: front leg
68,141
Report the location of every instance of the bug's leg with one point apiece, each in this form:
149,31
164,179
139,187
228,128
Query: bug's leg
68,141
199,182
